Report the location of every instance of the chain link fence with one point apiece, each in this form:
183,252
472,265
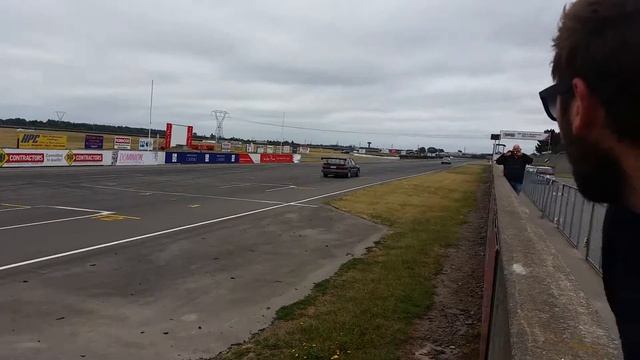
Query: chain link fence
578,219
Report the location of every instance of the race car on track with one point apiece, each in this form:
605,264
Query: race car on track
339,167
446,161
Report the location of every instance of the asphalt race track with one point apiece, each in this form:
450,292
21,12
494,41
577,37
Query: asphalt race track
167,262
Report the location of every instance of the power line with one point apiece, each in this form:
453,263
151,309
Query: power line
433,136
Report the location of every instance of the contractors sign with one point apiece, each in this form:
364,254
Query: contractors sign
523,135
27,158
84,158
41,141
122,143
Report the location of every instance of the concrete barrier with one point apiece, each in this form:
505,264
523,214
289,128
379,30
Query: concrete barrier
544,302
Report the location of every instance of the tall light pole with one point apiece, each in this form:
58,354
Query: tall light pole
282,133
150,111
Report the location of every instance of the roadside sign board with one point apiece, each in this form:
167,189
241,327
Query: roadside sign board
523,135
122,143
145,144
93,141
42,141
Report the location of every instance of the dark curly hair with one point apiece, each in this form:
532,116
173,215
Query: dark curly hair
599,42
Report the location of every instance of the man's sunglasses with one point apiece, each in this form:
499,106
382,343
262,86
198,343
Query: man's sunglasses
549,97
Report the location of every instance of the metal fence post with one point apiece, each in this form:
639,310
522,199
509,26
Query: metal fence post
557,207
566,209
573,215
584,202
587,240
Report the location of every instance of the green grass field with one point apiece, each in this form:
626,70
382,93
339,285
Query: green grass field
366,310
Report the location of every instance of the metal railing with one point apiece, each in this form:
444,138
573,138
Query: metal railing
578,219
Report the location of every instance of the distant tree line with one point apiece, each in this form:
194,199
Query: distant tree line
50,124
78,127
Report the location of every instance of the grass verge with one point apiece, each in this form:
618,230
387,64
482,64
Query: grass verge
367,309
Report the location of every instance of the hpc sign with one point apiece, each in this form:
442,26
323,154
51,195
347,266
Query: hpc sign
41,141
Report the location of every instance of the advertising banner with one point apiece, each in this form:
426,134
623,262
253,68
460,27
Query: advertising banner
226,146
201,158
189,136
140,158
286,149
88,158
145,144
250,148
122,143
93,141
245,159
261,149
522,135
270,149
227,158
41,141
276,158
28,158
167,136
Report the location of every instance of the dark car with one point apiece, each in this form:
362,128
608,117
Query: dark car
339,167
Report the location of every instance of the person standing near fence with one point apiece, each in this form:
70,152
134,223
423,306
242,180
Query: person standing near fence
596,102
514,163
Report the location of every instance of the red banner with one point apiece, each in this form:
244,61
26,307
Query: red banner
189,135
87,157
167,136
25,158
245,159
276,158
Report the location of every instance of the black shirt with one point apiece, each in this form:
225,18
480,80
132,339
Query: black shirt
514,166
621,274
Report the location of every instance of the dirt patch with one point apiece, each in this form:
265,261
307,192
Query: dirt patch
451,328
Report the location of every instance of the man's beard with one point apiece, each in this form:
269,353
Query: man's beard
598,174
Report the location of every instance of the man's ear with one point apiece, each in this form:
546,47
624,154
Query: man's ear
587,113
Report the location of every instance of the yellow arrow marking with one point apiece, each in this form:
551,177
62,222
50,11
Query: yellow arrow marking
115,217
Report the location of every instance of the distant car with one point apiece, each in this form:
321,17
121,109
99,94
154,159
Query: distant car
339,167
446,161
545,170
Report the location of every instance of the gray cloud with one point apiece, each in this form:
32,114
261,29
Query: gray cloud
465,68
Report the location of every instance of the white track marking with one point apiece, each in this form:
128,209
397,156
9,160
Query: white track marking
253,184
234,185
16,208
281,188
212,221
78,251
54,221
191,195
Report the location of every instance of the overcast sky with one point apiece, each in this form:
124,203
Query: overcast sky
445,73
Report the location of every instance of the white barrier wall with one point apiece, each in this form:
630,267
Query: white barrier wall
139,157
31,158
